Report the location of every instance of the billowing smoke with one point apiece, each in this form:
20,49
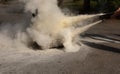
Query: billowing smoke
12,36
51,27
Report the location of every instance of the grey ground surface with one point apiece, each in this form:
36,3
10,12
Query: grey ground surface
89,60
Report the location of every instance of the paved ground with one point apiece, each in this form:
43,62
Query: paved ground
99,55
